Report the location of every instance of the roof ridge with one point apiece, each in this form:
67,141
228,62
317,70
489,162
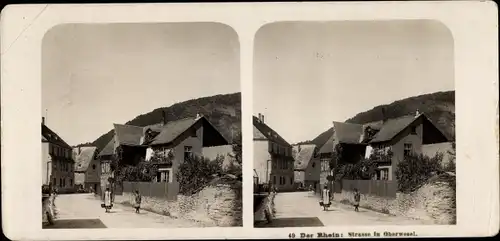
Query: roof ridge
127,125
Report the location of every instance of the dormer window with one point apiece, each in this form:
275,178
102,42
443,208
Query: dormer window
413,130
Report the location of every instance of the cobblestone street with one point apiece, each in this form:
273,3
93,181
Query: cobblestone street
84,211
301,209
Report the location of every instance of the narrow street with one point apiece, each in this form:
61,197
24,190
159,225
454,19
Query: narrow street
84,211
301,209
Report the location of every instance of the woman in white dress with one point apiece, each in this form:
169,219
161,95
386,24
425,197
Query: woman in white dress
325,198
107,200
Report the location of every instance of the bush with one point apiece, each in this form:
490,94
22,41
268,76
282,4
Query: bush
415,170
196,172
142,172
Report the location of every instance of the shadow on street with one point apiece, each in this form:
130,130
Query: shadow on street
75,223
290,222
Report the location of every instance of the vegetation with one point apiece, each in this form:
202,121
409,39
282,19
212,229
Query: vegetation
416,170
439,107
362,170
235,166
196,172
223,111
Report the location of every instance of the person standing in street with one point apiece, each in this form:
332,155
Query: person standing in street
357,198
325,198
107,200
138,199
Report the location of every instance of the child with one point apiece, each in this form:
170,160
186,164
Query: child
138,198
357,198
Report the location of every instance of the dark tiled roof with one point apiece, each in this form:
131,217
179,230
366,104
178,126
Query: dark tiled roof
109,149
328,146
269,133
52,137
128,134
303,157
83,159
173,129
392,127
347,133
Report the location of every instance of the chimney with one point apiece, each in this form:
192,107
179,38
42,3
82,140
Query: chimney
79,150
43,120
198,116
163,117
417,113
262,116
384,116
299,148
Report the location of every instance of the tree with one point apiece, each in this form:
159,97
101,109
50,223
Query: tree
196,172
416,169
237,149
451,165
235,165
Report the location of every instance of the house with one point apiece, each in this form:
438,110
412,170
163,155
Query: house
57,161
87,168
403,136
166,144
273,160
306,165
347,136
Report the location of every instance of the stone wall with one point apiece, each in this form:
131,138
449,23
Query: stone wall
216,205
433,202
267,203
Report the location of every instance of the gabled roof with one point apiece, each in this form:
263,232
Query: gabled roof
83,159
50,136
347,133
134,135
173,129
128,134
328,146
303,156
392,127
109,149
269,133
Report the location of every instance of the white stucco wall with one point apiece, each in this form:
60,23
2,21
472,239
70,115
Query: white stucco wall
431,150
46,164
212,152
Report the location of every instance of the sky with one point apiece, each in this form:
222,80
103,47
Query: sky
309,74
94,75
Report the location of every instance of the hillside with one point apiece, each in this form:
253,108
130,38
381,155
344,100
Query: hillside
223,111
439,107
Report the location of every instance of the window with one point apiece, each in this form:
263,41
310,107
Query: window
408,149
385,174
274,179
93,166
164,176
71,182
313,164
291,180
60,182
413,130
54,182
188,152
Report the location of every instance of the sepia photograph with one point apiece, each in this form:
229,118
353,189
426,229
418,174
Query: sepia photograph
249,121
354,124
141,126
